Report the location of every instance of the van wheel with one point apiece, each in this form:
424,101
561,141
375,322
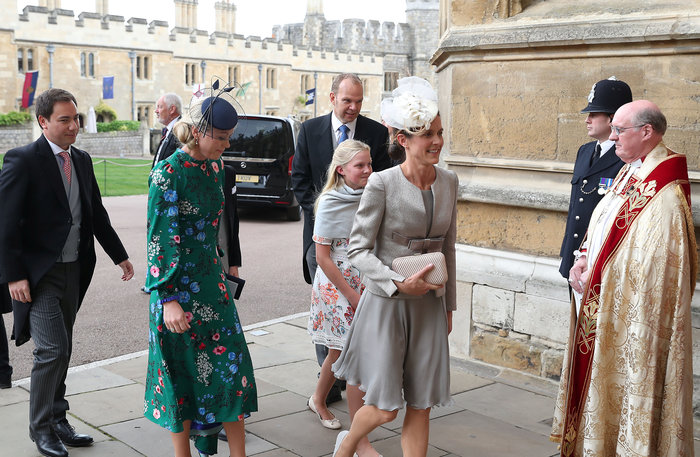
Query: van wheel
294,213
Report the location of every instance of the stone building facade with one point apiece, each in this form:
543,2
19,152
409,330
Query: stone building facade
148,59
514,76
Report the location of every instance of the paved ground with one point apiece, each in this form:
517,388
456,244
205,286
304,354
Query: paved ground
495,412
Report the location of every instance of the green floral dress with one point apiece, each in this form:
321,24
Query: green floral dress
205,374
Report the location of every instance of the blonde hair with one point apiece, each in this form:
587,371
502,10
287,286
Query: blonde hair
343,154
183,132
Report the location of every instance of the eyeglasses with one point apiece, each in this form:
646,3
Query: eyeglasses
619,130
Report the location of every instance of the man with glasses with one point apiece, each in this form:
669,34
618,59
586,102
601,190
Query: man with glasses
596,164
627,380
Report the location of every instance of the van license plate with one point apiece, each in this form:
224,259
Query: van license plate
247,178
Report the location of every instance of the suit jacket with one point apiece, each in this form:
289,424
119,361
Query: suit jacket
392,205
313,155
584,198
35,219
169,144
231,214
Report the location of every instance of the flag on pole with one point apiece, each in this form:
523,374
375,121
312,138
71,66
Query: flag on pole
107,87
310,96
244,87
30,80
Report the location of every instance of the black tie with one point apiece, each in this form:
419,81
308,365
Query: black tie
596,154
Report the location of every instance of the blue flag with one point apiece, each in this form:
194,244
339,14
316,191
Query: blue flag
310,96
107,87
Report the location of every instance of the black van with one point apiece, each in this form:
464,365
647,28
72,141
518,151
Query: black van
261,152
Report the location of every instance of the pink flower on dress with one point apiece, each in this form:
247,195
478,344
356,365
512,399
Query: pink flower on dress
188,316
155,271
176,238
222,287
158,389
203,167
160,381
215,167
219,350
156,414
215,337
244,381
215,222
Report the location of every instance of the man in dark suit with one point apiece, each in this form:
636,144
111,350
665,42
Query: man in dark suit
317,140
168,112
596,163
50,212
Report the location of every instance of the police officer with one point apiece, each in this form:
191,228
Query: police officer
596,164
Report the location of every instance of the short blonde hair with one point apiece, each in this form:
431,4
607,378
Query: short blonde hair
343,154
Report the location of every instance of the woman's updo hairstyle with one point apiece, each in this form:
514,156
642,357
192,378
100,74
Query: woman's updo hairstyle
211,107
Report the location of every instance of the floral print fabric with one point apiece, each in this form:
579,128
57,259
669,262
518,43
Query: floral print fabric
331,313
205,374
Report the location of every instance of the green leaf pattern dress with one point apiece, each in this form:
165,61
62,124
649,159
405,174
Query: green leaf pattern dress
204,374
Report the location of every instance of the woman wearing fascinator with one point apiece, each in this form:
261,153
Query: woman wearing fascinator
397,350
200,375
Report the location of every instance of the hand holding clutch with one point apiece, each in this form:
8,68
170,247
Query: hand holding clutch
409,265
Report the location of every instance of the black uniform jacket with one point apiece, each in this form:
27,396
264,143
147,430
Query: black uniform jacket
35,219
584,198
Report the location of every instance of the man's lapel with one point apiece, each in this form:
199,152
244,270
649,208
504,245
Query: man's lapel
53,173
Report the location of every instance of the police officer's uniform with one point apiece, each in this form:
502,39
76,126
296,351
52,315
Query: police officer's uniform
606,97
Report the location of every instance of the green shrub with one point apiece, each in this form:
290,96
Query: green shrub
106,111
14,118
116,126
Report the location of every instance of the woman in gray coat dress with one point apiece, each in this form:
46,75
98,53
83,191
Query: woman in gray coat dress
397,349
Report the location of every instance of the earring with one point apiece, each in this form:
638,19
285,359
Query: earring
196,141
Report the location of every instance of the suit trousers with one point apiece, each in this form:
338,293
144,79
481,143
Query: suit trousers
5,367
55,302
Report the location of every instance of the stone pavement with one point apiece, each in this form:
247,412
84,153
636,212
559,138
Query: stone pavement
495,412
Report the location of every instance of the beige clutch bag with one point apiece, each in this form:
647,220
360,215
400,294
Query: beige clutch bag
411,264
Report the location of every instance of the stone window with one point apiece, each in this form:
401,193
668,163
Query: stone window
234,74
144,113
87,64
25,59
391,79
190,74
271,112
143,67
305,83
271,82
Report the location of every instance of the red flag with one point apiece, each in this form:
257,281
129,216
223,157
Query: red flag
30,79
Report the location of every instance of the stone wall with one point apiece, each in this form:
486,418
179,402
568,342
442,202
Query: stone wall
13,136
513,78
116,144
112,144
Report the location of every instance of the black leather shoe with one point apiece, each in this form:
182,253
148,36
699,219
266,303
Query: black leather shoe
49,445
67,434
5,382
222,435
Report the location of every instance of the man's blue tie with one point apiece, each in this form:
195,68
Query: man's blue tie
344,129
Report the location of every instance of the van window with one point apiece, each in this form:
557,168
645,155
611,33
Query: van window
260,138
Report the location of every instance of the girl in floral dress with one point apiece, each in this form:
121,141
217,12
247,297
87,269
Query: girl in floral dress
200,375
337,287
